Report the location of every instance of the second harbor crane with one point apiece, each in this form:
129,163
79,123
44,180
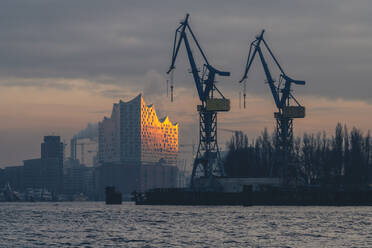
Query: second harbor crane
282,94
207,163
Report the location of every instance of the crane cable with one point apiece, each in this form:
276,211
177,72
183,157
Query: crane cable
244,92
171,84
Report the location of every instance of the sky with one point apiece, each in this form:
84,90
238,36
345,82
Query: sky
64,63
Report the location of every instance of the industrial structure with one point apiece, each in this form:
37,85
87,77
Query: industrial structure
207,162
87,141
283,97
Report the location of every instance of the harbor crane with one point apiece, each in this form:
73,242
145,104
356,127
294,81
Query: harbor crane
207,163
283,97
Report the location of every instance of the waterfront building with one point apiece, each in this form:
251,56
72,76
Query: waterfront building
134,135
52,147
45,172
136,149
42,174
52,153
78,179
33,173
12,175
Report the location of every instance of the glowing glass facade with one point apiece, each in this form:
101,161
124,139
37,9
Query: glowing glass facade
135,135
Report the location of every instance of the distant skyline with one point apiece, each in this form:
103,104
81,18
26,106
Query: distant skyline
64,63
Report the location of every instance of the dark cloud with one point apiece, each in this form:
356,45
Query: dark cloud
115,94
42,84
326,43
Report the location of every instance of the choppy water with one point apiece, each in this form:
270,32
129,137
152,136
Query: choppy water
93,224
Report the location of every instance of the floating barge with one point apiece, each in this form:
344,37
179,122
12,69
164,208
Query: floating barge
262,192
192,197
312,196
270,197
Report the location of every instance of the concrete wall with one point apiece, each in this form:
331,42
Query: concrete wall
157,176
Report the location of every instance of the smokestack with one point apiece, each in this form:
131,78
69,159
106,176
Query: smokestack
90,132
73,148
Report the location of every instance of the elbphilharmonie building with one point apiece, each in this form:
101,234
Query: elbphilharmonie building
135,135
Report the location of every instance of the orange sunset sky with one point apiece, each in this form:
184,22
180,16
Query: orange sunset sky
63,65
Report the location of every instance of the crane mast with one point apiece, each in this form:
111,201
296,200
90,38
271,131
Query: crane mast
282,97
207,163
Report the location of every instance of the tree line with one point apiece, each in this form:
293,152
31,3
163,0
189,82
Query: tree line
344,158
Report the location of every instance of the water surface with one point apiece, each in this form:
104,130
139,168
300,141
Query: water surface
94,224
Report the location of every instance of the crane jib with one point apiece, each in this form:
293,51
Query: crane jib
204,86
281,95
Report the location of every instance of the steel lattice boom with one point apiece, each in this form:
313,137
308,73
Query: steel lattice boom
282,97
207,162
